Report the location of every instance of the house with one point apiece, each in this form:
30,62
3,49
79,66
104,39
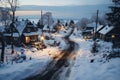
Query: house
23,32
100,27
108,33
11,34
30,34
89,30
59,26
47,28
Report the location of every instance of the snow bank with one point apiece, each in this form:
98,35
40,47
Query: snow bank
83,69
39,61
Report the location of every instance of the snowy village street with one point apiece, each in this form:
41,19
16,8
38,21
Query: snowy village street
60,66
59,39
73,62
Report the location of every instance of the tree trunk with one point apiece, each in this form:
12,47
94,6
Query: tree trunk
3,48
13,16
12,46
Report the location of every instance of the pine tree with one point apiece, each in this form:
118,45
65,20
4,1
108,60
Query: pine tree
114,15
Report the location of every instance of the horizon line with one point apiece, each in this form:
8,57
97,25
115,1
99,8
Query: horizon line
65,5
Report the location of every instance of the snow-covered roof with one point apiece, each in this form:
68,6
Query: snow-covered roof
14,34
46,27
20,26
34,25
106,29
32,33
92,24
87,31
7,34
99,27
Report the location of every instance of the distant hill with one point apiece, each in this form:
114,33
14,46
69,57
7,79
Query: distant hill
67,11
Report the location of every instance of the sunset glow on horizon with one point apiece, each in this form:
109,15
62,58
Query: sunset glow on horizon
62,2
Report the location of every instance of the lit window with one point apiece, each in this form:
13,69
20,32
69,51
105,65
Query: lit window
27,39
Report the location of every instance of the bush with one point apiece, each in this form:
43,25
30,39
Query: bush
94,47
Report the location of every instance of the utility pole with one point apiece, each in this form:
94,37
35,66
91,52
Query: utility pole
41,21
95,36
49,23
41,18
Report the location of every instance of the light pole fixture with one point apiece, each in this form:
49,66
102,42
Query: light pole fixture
42,38
113,36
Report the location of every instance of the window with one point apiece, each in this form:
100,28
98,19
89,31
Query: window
27,39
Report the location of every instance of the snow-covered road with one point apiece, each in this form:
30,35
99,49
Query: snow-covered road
60,65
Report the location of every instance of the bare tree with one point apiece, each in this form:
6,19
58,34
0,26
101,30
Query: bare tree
5,16
83,23
13,4
103,20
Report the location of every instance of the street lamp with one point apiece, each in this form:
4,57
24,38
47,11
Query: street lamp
112,36
41,39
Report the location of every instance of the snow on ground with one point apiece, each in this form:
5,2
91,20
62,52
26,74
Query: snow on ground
82,69
36,61
39,61
100,69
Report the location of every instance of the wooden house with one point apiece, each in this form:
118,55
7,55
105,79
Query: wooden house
23,32
109,33
11,34
30,34
89,30
47,28
100,27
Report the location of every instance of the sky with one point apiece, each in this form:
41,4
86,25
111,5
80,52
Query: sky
63,2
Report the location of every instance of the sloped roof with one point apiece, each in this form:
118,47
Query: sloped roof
106,29
99,27
20,26
92,24
46,27
32,33
14,34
